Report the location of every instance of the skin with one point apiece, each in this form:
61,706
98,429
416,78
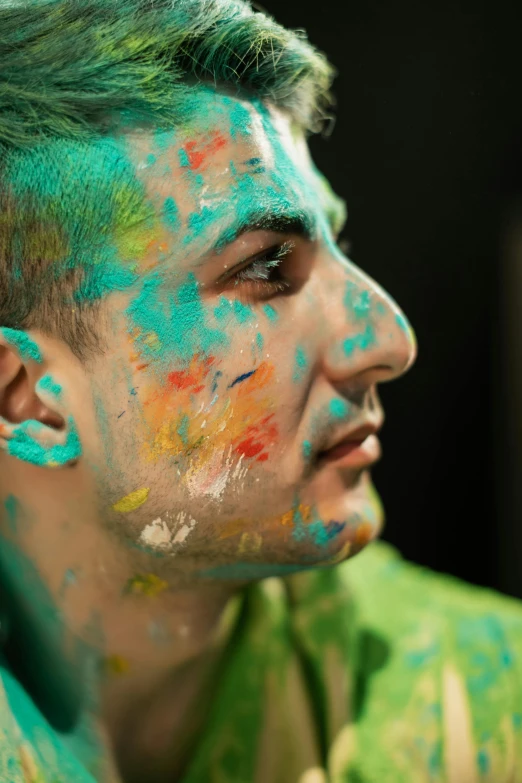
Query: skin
182,464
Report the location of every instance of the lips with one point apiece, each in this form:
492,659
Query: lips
358,449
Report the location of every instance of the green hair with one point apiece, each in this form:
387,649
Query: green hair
71,71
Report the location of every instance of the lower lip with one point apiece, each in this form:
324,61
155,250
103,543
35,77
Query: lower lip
354,454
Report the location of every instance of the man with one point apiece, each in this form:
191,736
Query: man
189,411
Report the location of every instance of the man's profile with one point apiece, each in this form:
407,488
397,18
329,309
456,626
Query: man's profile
188,417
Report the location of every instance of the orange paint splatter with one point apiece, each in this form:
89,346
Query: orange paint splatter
198,151
257,438
364,533
241,425
234,527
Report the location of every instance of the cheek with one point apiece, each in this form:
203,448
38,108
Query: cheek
205,414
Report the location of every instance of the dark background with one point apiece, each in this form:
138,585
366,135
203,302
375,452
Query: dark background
427,151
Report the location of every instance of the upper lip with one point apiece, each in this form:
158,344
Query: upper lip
356,433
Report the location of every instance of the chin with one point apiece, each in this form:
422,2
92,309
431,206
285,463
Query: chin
355,517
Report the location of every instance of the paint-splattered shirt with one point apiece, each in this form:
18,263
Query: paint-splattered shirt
375,671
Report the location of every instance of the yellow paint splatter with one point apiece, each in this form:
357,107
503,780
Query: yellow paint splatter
146,584
116,664
304,511
250,542
341,555
234,527
132,501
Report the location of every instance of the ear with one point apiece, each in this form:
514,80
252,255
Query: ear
35,425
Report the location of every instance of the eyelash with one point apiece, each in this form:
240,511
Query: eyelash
258,271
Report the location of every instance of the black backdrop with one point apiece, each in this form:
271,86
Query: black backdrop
426,150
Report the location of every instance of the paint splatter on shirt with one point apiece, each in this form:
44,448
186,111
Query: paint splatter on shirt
374,671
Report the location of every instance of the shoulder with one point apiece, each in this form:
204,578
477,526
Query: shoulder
387,586
447,692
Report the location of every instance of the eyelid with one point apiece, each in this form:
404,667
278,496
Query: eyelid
249,259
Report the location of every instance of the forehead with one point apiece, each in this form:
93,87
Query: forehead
227,158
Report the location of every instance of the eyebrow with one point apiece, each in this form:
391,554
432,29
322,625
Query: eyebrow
298,223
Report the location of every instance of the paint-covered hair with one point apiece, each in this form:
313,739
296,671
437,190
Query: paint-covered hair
70,71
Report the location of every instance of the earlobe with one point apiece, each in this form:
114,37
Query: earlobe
35,425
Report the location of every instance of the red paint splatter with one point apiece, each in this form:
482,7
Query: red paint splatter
190,378
257,438
198,151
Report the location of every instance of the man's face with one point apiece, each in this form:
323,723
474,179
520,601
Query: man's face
247,345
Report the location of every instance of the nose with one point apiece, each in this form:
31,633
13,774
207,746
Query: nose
369,339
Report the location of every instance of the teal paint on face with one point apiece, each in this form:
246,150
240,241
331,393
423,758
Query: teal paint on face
26,346
260,341
315,530
270,313
256,165
184,161
226,309
12,508
69,579
360,342
24,447
200,223
171,214
151,159
178,320
380,308
88,208
307,450
319,534
358,303
301,363
183,429
104,280
240,119
339,409
48,385
163,140
402,323
243,312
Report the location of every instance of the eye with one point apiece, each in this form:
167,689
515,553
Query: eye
262,273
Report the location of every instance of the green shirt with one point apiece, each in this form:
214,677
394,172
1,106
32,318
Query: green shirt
373,671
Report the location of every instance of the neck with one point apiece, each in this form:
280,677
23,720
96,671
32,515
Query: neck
124,644
153,701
